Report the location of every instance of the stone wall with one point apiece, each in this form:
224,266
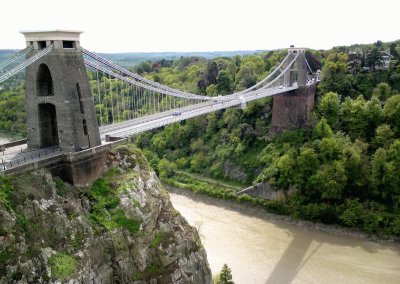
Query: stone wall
292,109
263,190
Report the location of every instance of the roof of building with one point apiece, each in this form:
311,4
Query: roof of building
39,35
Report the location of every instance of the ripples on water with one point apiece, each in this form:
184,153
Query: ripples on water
259,250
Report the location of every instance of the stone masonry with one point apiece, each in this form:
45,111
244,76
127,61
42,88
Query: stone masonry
59,101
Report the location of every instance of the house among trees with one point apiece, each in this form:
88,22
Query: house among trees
371,60
385,60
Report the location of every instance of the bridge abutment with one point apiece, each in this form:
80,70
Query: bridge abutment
292,109
81,170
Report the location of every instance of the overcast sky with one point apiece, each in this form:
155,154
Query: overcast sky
204,25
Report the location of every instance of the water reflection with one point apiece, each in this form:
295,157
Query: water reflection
263,250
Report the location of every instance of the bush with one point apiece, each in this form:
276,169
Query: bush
59,183
62,265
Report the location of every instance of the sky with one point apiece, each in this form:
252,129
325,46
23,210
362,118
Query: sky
204,25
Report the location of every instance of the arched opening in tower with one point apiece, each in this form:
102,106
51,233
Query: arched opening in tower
44,81
48,125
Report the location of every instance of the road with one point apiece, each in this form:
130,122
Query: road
135,126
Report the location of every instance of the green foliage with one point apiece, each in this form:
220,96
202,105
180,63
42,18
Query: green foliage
338,165
6,189
322,130
224,83
329,107
158,239
353,119
59,183
352,215
384,136
347,161
382,91
63,266
165,168
334,77
224,277
12,109
105,211
138,275
153,270
121,220
330,180
6,256
392,112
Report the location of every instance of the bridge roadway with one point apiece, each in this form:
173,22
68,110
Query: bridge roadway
135,126
20,155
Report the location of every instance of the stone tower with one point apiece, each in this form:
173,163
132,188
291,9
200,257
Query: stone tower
59,102
300,66
292,109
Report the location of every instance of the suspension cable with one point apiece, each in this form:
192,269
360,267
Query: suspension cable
16,56
26,63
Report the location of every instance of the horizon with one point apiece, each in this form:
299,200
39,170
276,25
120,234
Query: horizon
233,50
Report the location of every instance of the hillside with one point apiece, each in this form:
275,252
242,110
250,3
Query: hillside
341,169
130,59
122,229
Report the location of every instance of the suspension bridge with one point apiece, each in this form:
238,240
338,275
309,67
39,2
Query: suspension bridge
78,101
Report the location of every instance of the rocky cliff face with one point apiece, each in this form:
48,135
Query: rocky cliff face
123,229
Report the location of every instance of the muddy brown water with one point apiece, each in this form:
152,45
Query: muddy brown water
259,249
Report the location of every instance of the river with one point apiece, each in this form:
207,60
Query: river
261,249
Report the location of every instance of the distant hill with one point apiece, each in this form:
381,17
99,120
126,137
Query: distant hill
7,53
132,58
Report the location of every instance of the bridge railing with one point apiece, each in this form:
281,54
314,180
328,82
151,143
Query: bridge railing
124,124
12,144
30,157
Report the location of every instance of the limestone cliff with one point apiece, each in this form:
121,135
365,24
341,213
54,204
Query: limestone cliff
122,229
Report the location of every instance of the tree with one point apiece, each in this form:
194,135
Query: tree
393,51
307,164
391,111
352,215
378,164
384,136
246,76
144,67
374,58
333,73
322,129
374,115
356,166
353,117
211,90
282,172
330,180
382,91
212,72
330,148
329,107
165,168
224,277
224,83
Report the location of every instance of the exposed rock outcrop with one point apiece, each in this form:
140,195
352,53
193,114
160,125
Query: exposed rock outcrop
123,229
233,171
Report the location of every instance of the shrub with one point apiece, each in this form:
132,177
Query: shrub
62,265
